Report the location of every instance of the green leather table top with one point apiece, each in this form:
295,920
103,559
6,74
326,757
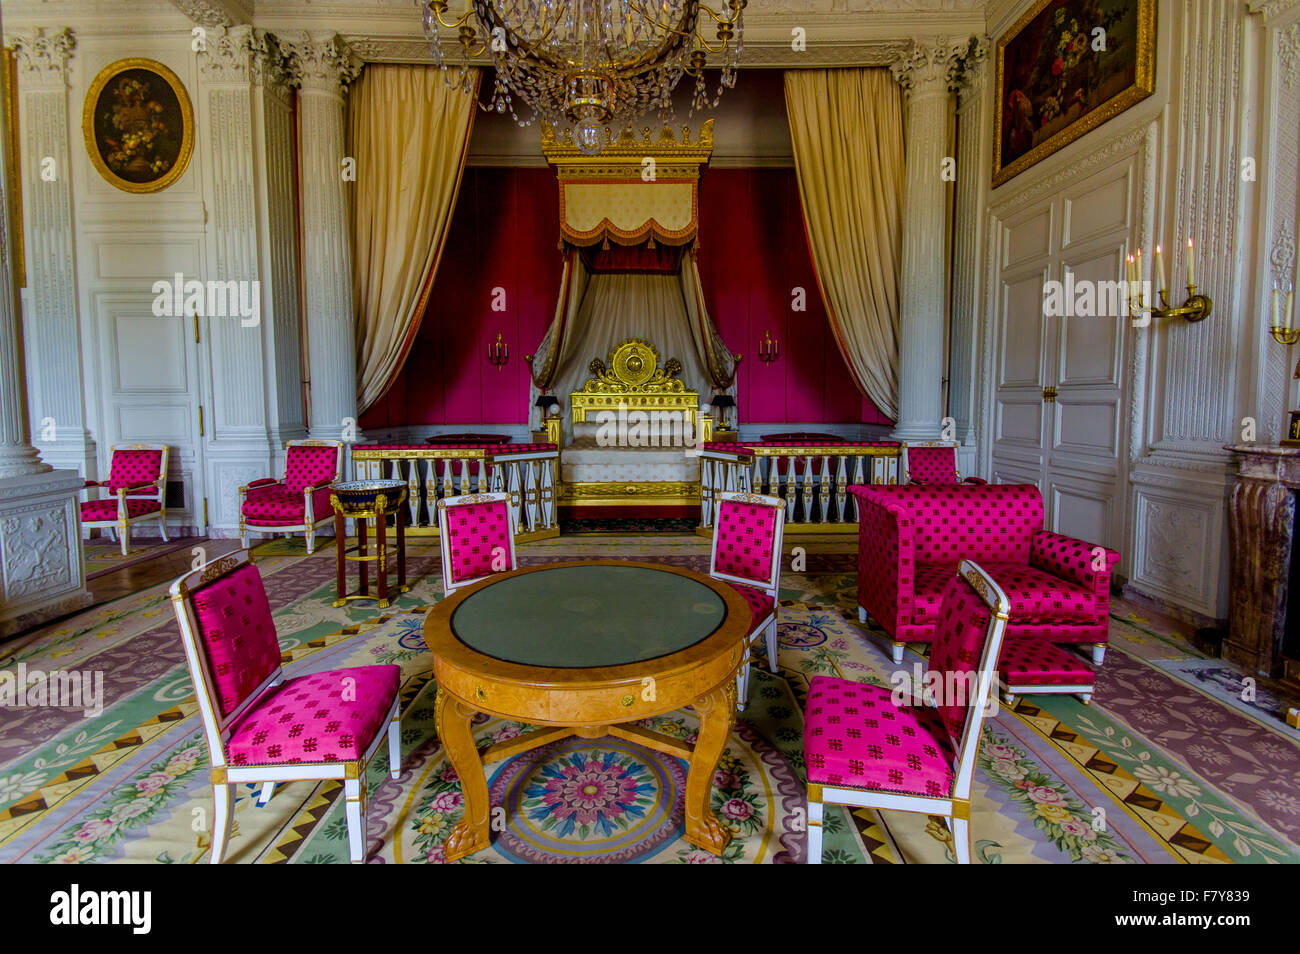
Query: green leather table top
588,616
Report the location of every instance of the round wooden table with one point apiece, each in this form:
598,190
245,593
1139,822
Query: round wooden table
585,648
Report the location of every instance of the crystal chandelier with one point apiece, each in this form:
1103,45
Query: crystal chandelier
591,63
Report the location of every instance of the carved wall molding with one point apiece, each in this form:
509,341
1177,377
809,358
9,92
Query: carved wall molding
216,13
931,67
241,55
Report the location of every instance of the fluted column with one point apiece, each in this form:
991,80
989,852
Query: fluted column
974,158
41,566
924,72
322,67
51,331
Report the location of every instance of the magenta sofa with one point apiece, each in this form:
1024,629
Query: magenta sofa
911,538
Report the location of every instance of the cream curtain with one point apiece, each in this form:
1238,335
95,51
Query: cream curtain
847,130
554,350
408,132
718,361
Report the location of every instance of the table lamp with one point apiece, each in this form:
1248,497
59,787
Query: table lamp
720,403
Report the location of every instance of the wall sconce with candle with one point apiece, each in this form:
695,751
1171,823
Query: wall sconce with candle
498,353
1194,308
1284,333
768,349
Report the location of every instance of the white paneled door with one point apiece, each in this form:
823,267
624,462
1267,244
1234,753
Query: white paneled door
150,377
1059,363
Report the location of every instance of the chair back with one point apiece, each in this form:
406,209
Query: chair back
134,464
230,643
476,533
747,537
312,464
967,639
930,462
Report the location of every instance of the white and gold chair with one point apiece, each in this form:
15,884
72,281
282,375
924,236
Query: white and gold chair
261,727
863,749
476,535
138,480
747,536
298,501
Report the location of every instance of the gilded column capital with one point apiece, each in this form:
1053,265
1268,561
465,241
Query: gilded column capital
43,55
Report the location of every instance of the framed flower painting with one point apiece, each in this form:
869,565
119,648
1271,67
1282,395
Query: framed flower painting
139,125
1065,68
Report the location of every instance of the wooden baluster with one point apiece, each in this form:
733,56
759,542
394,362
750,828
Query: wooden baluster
547,494
530,492
516,497
824,492
448,488
808,489
482,476
498,478
706,491
431,490
841,488
786,478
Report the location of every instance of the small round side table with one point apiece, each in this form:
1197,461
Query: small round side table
362,501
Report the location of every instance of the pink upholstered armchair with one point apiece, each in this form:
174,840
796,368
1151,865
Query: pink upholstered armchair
263,728
298,501
477,538
862,748
137,487
911,538
747,555
933,462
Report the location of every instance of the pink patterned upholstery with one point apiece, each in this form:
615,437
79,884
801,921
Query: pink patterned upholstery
309,466
911,538
237,633
959,639
761,606
131,468
1032,662
476,532
932,465
745,536
274,505
323,717
854,736
106,508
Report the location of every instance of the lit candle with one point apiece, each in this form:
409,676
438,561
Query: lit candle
1160,270
1191,263
1128,271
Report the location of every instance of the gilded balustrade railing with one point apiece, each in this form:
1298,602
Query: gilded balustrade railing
813,480
527,472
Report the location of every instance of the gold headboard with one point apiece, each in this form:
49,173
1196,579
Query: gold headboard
634,380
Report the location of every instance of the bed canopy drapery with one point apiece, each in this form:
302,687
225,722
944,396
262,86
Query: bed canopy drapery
628,223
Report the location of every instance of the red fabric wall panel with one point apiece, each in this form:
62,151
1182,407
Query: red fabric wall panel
753,255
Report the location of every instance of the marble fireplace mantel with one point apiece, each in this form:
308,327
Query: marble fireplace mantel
1261,524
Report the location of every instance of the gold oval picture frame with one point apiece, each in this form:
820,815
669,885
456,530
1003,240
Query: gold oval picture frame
139,125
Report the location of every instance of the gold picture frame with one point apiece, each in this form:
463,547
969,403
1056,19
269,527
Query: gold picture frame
1051,84
143,141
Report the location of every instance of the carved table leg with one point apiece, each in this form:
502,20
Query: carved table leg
452,723
715,711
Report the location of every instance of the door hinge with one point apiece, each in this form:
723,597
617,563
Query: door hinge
196,327
200,420
1049,395
205,512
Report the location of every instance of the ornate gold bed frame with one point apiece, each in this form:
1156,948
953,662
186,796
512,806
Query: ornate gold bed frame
633,381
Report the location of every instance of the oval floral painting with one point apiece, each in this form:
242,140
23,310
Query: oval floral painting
138,125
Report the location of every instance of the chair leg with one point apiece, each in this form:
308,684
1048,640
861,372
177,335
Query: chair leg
815,814
355,809
268,789
243,536
862,615
311,540
162,527
771,647
394,748
961,839
223,798
124,535
1008,698
1098,653
742,685
896,652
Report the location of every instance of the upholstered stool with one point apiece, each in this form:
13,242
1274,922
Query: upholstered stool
1031,666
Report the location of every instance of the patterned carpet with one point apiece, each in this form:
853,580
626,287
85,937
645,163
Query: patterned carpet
1166,766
